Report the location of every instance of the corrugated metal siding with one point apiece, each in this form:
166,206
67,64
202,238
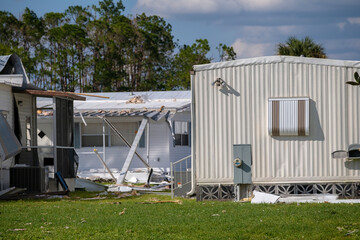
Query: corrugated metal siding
238,115
6,103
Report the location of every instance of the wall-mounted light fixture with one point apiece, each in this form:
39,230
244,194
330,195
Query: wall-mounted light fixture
219,82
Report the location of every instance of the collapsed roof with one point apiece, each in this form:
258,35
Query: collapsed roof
155,105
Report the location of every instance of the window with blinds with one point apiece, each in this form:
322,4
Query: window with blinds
182,133
288,116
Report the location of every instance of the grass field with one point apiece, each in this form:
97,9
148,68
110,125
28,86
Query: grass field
135,218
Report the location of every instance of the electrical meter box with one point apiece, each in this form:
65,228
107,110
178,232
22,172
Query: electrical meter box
242,163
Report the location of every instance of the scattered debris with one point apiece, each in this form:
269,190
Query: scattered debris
11,192
122,212
123,189
94,198
248,199
306,198
155,201
133,180
116,203
17,229
215,215
83,220
260,197
136,100
351,232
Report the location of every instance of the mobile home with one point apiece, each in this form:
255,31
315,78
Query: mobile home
165,139
272,124
20,163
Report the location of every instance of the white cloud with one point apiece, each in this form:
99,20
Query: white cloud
341,25
268,32
246,49
289,29
354,20
169,7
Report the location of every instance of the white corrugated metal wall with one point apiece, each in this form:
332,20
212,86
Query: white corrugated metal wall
238,113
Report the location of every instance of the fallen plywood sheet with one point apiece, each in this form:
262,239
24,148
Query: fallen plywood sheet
260,197
89,185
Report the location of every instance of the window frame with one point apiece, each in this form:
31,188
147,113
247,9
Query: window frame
185,138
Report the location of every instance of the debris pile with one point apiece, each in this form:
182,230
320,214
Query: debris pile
135,100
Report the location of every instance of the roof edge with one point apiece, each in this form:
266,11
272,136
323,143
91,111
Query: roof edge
277,59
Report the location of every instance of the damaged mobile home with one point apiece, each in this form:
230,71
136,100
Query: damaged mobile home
160,119
21,164
271,124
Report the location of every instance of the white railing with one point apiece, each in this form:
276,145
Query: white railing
180,176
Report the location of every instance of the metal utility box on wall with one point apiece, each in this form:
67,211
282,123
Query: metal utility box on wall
242,163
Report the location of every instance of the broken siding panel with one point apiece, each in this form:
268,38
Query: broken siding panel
6,103
25,107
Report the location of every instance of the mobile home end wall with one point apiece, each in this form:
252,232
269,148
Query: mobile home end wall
238,114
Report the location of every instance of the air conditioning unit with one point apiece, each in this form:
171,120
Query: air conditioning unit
34,179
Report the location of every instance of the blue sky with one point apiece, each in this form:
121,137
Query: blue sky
252,27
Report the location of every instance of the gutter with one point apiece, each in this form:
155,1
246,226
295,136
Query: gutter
193,137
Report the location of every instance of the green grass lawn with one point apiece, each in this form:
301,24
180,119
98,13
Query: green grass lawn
130,218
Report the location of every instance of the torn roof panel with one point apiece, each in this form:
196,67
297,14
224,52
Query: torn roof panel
154,115
135,101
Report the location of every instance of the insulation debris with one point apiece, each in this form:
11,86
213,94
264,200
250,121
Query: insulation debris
136,100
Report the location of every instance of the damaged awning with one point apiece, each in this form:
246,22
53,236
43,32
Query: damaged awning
151,114
49,93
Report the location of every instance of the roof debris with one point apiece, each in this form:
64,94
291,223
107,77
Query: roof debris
136,100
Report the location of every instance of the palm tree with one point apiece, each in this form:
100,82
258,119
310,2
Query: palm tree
301,47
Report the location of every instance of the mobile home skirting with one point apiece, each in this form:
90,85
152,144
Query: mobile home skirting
238,111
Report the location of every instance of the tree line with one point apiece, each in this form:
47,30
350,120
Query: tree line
98,48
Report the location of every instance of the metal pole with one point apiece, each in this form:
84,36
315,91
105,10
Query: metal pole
171,180
125,141
132,152
103,162
104,143
54,134
148,143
